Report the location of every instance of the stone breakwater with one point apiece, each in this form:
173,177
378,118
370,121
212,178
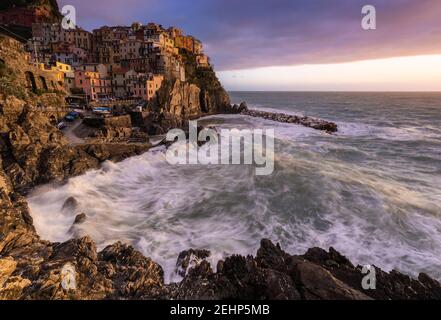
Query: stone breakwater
309,122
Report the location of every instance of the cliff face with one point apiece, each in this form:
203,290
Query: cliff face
33,151
177,102
202,94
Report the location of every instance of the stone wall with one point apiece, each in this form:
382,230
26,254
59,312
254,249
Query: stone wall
21,74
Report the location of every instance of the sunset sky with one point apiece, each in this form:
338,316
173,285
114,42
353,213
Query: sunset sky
297,44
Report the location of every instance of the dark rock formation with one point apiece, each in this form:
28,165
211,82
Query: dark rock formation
112,129
317,275
80,218
309,122
190,259
70,204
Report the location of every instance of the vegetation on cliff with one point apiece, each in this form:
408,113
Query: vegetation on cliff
204,77
214,98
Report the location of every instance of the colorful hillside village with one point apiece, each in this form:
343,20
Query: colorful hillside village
113,63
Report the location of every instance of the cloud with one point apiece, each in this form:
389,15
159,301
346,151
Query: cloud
259,33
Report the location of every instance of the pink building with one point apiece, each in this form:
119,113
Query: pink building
92,85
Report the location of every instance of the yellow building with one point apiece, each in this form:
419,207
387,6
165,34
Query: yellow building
184,42
57,74
63,67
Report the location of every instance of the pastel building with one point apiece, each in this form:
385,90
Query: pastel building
44,34
69,81
78,37
146,86
121,82
92,85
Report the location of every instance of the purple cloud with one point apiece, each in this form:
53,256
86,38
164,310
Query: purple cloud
257,33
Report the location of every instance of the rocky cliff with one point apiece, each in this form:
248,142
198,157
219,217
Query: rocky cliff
200,95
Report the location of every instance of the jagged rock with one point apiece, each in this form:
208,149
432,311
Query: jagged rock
70,204
274,274
190,259
317,124
177,102
11,287
133,275
243,107
316,282
81,218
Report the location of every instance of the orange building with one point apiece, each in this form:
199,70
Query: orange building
146,87
184,42
92,85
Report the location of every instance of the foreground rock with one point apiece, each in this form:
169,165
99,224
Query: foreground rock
318,275
309,122
120,272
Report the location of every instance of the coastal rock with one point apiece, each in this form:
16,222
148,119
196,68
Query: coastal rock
190,259
243,107
178,102
70,204
112,129
317,124
215,100
33,151
133,275
11,287
81,218
317,275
